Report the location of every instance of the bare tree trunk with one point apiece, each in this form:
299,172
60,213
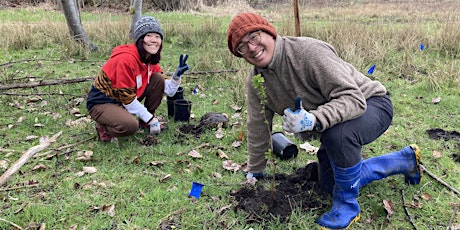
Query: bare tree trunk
135,9
73,22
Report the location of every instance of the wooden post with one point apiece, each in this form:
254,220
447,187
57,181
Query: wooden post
296,18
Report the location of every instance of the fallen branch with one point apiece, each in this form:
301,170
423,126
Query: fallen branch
407,211
11,223
21,161
83,79
18,187
452,217
439,180
45,83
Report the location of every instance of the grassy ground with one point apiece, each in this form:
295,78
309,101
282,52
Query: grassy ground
146,187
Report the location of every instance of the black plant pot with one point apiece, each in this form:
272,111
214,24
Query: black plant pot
283,147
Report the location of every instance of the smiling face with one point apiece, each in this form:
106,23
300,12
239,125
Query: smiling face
259,54
152,43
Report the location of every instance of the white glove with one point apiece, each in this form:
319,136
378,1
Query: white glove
154,126
298,121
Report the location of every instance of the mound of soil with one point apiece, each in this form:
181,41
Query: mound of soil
298,190
437,134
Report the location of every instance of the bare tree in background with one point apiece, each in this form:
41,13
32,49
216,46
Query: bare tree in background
76,30
135,9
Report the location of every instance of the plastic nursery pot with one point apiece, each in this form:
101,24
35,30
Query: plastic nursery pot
182,110
196,189
170,100
283,147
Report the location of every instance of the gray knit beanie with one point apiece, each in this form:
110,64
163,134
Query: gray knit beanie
147,24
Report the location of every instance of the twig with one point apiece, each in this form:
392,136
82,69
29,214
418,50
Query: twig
452,218
83,79
439,180
45,83
18,187
30,153
407,211
11,223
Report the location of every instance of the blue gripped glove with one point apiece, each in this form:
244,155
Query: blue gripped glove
154,126
181,68
299,120
250,175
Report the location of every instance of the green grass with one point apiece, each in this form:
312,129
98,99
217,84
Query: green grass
143,199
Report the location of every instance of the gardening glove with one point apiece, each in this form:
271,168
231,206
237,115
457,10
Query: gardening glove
299,120
154,126
181,68
250,175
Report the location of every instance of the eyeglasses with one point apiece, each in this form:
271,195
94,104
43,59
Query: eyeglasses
254,39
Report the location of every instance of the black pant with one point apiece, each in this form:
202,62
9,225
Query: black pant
343,142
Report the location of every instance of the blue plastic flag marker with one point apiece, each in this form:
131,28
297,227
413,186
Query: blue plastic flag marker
371,70
195,89
422,47
196,189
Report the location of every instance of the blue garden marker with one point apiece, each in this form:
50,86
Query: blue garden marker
196,189
422,46
195,89
371,70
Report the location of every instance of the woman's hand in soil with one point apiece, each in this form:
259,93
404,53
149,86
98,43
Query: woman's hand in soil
250,175
154,126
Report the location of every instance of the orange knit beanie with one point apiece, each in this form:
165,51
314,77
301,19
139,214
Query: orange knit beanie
243,24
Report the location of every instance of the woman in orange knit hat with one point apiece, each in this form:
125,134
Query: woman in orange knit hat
347,108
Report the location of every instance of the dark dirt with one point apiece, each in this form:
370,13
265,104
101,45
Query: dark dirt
149,140
440,134
437,134
298,190
207,121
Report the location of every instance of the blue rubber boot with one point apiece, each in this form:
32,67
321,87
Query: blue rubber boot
405,161
345,208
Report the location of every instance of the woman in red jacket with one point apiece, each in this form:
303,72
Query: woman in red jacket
132,74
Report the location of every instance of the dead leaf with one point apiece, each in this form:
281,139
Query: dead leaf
309,148
109,210
21,119
88,169
244,167
236,144
137,159
436,100
437,154
389,207
426,196
230,165
216,175
31,137
163,179
39,167
157,163
216,102
75,111
236,107
241,136
4,164
219,133
222,154
84,155
195,154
